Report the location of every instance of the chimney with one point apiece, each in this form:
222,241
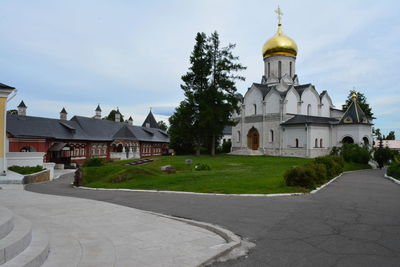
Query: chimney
22,109
63,114
117,116
98,113
130,121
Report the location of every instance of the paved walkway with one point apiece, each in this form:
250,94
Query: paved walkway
355,221
93,233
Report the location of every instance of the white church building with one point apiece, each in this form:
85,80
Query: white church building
280,116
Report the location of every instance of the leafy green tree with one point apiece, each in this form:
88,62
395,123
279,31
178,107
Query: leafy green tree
382,155
377,133
181,130
12,112
390,136
111,116
162,125
362,101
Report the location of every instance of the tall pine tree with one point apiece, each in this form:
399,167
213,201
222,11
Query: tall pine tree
210,95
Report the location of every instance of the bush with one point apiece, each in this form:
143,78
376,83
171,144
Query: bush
202,167
26,169
226,146
308,176
394,169
355,153
94,162
382,155
334,165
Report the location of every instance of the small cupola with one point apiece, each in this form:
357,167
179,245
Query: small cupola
98,112
63,114
117,116
130,120
22,109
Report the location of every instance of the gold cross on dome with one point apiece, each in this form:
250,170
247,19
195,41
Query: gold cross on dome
280,14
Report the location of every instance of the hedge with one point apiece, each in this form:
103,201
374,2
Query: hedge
394,169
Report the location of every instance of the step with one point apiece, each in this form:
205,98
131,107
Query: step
6,222
17,240
35,254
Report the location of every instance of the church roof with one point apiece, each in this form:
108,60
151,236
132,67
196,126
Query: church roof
22,105
81,128
354,115
151,121
305,119
98,108
300,88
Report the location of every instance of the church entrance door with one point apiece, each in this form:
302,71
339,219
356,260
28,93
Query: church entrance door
253,138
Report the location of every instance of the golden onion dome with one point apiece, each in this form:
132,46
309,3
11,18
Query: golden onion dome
279,44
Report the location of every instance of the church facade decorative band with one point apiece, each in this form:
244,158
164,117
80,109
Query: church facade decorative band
280,116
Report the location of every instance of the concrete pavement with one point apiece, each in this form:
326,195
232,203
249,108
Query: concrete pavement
92,233
355,221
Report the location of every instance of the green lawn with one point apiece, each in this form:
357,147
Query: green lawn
228,174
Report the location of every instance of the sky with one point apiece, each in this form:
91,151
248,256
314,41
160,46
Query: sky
132,54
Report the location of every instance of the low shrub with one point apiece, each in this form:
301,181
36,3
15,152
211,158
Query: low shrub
202,167
394,169
382,155
94,162
355,153
226,146
308,176
26,169
334,165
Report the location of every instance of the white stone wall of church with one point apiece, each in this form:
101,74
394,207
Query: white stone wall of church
309,98
355,131
273,62
253,97
272,122
326,107
319,132
291,103
291,133
272,102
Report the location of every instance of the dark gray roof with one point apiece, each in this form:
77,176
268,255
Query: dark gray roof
22,105
304,119
130,118
151,121
354,115
263,88
5,86
98,108
81,128
63,111
300,88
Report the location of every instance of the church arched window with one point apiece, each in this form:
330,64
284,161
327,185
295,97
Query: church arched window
279,69
316,142
320,143
238,136
271,136
255,109
297,142
309,109
269,69
290,68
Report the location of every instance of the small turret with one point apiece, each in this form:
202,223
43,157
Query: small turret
117,116
98,113
130,121
22,109
63,114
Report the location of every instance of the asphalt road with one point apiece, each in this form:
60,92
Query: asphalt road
355,221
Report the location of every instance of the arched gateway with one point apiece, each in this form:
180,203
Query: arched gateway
253,138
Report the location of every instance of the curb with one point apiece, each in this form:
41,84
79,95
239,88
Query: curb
232,241
394,180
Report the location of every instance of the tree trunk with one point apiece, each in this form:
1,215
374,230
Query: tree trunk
198,148
213,145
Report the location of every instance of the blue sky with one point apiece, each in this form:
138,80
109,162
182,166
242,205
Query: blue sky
131,54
